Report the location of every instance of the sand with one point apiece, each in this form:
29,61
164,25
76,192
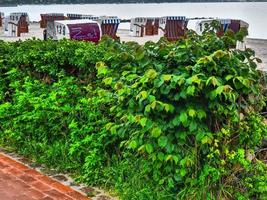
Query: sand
259,45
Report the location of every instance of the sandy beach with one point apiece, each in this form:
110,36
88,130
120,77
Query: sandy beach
258,45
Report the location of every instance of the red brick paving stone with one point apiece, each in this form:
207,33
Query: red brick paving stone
61,188
3,165
35,193
32,172
41,186
77,196
26,178
13,171
55,194
18,182
45,179
47,198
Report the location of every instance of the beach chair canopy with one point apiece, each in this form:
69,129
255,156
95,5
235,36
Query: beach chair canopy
90,17
81,16
139,21
74,16
15,17
50,17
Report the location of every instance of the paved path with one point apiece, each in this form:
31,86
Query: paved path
19,182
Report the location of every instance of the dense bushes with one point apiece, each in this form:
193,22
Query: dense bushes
160,121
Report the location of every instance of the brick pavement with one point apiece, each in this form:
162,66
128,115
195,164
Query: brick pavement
19,182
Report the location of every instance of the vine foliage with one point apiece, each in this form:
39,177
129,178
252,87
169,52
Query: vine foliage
163,120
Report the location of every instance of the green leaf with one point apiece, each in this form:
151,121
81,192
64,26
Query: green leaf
158,82
143,95
193,126
101,68
149,148
201,114
143,122
153,105
156,132
219,90
113,130
162,141
228,77
190,90
199,136
166,77
169,157
176,121
206,140
191,112
213,81
133,144
176,159
183,117
160,156
183,172
107,81
219,54
168,107
140,54
195,79
151,74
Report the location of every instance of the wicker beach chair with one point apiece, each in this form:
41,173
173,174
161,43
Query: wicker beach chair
18,23
173,27
109,27
1,18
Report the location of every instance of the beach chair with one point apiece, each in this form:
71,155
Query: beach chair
173,27
109,26
1,19
18,23
231,24
137,27
50,17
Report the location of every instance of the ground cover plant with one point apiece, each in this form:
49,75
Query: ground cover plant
160,121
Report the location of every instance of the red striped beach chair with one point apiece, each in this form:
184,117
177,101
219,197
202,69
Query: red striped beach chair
1,19
18,23
109,27
174,27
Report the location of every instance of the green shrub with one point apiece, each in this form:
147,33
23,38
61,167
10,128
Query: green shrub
160,121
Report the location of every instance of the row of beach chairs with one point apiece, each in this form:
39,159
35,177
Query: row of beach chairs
174,27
